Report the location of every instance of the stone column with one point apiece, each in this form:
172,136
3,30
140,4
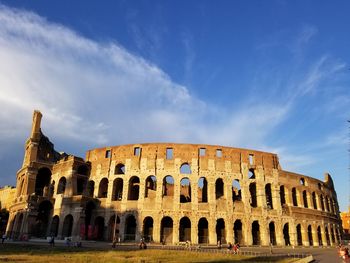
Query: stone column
248,238
260,194
229,231
299,198
60,227
212,230
156,228
323,234
315,236
264,233
194,231
279,233
122,227
176,225
293,234
318,201
305,236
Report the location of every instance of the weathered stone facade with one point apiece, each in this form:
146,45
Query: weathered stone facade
7,195
166,192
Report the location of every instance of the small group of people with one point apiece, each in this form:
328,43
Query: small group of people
235,247
343,252
142,244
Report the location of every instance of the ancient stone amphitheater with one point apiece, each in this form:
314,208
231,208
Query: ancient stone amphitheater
170,193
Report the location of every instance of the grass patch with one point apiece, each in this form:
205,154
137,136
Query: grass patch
35,253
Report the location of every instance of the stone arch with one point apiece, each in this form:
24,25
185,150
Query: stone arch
253,197
134,188
327,236
319,236
42,218
202,190
185,168
238,231
332,233
185,229
42,181
299,236
203,231
314,201
294,196
147,229
130,228
256,232
305,199
151,187
309,235
251,174
185,190
268,194
322,202
54,225
286,236
61,187
272,231
166,230
91,188
117,194
113,228
168,186
119,169
282,195
219,188
103,188
90,208
99,227
220,231
67,226
236,191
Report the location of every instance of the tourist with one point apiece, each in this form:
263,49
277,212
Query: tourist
219,244
229,246
52,241
3,237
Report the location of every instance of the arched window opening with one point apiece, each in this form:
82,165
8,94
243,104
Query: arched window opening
305,199
89,211
83,170
237,231
203,231
185,229
148,229
113,226
331,205
327,236
99,227
42,182
327,204
67,226
168,186
322,202
302,181
220,231
282,195
202,190
309,235
81,184
272,231
117,194
134,188
314,200
319,236
299,237
294,196
61,185
20,188
185,190
253,198
256,233
219,188
91,188
130,228
268,194
319,186
185,169
54,226
332,234
166,230
251,174
151,187
42,218
286,234
103,188
119,169
236,191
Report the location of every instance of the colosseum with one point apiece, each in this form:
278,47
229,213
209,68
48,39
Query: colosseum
169,193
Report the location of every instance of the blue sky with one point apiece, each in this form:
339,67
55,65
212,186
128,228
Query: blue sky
267,75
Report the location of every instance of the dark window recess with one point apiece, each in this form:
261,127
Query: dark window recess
108,154
169,153
137,151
